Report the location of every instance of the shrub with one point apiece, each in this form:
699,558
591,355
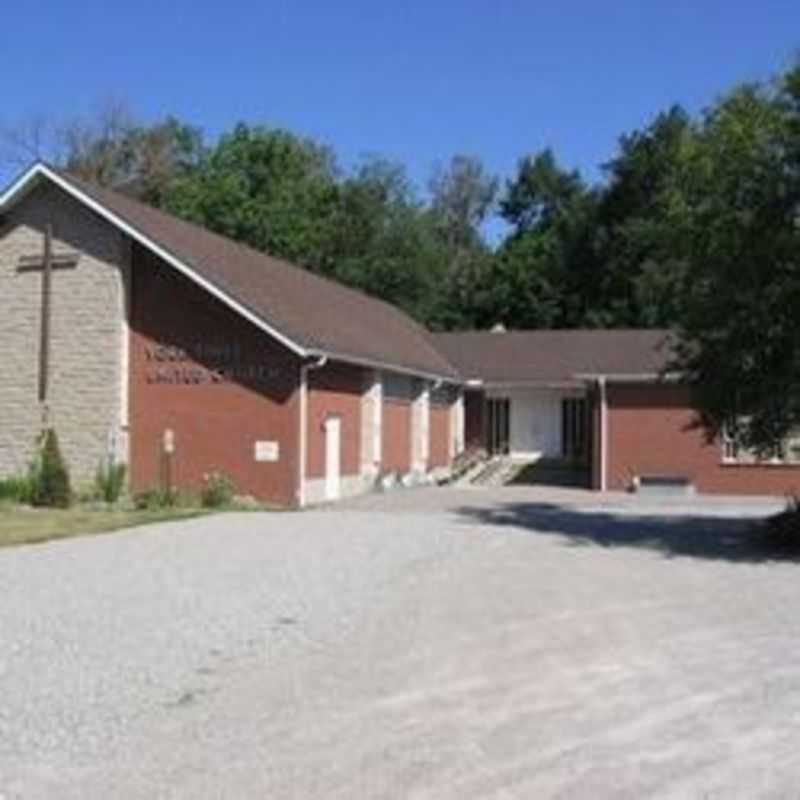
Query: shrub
218,491
152,499
109,481
16,488
50,485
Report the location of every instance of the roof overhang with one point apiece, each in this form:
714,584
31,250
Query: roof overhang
39,172
622,377
532,385
386,367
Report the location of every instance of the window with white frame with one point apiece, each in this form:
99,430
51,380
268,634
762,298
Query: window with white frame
735,452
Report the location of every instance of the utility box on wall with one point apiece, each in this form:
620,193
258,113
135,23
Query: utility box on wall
267,451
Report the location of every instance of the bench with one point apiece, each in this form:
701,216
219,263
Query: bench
663,484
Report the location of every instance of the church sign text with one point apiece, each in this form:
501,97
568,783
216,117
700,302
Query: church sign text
224,363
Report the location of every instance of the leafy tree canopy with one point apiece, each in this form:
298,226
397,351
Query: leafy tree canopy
695,226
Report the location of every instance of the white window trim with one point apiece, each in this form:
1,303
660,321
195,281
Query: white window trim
734,454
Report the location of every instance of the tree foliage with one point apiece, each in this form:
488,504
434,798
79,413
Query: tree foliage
50,482
740,342
694,226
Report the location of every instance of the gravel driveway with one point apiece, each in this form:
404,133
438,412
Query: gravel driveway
429,644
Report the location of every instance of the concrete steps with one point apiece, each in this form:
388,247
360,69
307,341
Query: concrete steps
497,471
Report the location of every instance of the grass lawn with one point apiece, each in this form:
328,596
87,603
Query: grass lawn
23,525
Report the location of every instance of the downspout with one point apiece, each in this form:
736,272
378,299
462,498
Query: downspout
601,385
303,438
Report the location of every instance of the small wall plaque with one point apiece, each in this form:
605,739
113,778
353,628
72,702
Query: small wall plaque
267,451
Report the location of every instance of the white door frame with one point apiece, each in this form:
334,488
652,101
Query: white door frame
333,458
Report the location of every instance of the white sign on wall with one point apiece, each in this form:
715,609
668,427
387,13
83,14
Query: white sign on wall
267,451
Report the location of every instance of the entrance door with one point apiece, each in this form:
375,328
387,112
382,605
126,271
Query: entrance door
333,444
576,430
498,416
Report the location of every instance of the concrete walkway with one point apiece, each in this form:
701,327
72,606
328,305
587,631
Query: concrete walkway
503,646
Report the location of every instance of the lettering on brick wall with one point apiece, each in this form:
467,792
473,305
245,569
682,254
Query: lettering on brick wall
167,364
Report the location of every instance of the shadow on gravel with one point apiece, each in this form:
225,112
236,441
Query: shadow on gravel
720,538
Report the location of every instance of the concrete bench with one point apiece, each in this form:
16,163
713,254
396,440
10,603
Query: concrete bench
663,485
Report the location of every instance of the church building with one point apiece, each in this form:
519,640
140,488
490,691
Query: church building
145,340
150,341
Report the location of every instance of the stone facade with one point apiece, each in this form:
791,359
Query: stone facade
88,333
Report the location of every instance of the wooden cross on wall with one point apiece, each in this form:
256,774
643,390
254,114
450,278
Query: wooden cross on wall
47,262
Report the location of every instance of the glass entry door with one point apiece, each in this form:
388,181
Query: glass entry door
576,430
498,425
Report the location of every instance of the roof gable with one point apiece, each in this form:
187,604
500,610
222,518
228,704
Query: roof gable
309,314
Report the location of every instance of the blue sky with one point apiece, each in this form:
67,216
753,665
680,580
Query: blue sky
416,81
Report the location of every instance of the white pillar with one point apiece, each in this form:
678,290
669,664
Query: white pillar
302,438
420,429
425,426
377,431
120,436
457,421
372,425
603,434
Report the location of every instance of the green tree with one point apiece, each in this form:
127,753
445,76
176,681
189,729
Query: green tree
385,242
109,148
266,188
739,337
546,270
639,225
49,476
463,196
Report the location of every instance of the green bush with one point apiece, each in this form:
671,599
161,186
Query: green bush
109,481
153,499
16,488
49,475
218,491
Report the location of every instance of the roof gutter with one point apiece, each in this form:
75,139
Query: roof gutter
383,365
39,170
575,384
622,377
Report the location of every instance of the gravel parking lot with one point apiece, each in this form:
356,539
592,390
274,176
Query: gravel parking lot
427,644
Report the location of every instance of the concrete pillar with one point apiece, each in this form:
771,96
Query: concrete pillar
457,421
372,425
420,428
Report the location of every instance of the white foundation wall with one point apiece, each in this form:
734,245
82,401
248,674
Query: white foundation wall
349,486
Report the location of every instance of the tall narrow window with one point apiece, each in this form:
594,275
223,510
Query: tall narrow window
498,425
574,428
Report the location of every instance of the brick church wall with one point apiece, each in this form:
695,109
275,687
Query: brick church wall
440,432
213,379
335,390
651,431
87,333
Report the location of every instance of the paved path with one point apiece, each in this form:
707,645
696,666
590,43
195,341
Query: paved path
501,645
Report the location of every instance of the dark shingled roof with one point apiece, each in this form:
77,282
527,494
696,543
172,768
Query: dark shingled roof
317,314
554,356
